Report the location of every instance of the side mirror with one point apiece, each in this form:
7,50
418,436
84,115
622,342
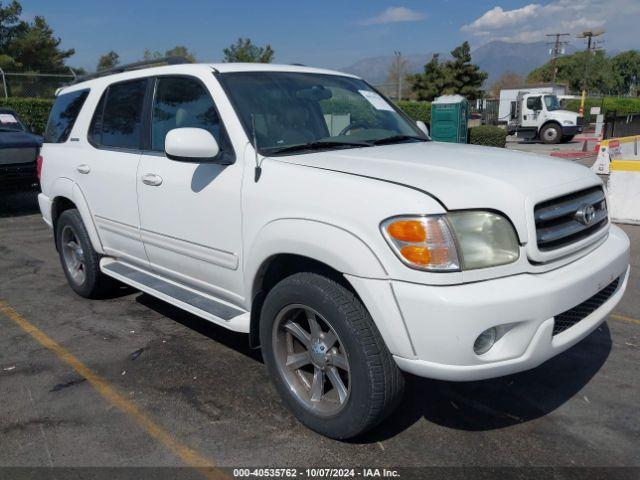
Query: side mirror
191,145
423,128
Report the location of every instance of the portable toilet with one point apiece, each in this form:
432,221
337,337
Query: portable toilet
449,117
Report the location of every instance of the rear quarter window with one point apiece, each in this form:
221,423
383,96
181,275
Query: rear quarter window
63,116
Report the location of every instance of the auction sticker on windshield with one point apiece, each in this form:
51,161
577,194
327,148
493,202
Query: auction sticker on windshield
375,100
7,118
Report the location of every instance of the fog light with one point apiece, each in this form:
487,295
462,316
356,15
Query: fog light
485,341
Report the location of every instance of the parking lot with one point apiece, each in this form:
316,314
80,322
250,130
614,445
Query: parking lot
133,381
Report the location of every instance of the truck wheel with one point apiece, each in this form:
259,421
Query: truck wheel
80,262
326,356
551,134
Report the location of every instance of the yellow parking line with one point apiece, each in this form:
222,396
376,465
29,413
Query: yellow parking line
189,456
624,318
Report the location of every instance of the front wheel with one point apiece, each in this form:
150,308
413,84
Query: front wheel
326,356
551,134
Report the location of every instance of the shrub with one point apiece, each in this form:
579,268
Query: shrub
416,110
488,136
32,111
622,106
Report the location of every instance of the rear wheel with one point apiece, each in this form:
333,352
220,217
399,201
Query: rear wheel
80,262
326,357
551,134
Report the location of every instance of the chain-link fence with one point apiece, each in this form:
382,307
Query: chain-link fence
33,85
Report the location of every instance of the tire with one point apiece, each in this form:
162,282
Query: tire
551,134
80,262
373,384
567,138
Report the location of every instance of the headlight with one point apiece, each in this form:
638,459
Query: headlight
486,239
460,240
567,122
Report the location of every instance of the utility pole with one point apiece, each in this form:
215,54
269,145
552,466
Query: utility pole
589,34
556,51
399,74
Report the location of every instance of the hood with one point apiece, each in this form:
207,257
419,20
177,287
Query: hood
462,176
563,115
19,140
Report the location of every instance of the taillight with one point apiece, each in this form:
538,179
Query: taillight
39,161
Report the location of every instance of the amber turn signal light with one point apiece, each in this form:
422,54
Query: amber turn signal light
407,231
416,255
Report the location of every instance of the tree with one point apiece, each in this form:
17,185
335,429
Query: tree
29,46
245,51
508,79
10,24
571,71
36,49
177,51
397,71
455,76
461,76
626,71
428,84
107,61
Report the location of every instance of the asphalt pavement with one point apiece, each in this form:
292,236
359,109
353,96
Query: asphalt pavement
133,381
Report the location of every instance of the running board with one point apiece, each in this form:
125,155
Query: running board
204,306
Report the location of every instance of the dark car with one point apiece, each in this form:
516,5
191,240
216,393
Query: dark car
19,149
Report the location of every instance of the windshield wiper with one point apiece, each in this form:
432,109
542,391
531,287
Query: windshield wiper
318,145
397,138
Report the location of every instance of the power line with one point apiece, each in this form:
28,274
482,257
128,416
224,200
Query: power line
556,51
591,48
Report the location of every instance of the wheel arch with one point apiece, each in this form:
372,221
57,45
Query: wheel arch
290,246
67,195
548,122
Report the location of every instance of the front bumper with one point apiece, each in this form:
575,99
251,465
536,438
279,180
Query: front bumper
443,322
571,130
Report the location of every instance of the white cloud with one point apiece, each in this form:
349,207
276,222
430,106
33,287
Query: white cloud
497,17
394,15
533,21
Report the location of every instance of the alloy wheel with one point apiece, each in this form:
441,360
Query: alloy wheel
311,359
73,254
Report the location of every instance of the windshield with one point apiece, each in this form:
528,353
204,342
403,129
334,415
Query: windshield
551,102
9,122
292,109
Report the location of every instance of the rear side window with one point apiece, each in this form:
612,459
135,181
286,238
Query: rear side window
117,121
63,115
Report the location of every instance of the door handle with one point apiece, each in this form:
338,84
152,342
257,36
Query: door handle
84,168
152,179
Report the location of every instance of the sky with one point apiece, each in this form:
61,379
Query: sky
324,33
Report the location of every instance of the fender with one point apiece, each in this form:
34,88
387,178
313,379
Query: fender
67,188
320,241
343,251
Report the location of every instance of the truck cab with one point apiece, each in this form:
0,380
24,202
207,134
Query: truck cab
540,116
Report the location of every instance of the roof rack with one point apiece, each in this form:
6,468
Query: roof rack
134,66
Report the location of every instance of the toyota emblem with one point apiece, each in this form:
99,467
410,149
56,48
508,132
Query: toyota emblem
586,214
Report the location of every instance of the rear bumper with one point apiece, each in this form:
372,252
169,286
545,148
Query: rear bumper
45,208
444,322
18,176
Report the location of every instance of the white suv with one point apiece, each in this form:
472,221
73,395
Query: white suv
300,206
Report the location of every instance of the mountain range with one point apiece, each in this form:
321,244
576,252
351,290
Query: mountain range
495,58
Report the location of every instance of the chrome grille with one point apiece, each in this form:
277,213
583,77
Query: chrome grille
572,316
570,218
